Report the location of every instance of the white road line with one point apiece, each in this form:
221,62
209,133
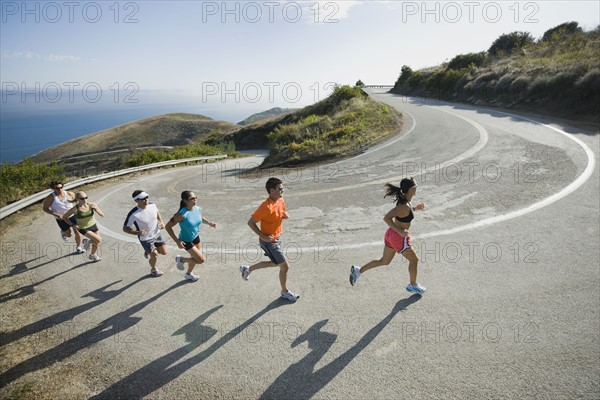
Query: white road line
580,180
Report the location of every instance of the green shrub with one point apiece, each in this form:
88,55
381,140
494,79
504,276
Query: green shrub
23,179
589,84
559,31
508,42
467,61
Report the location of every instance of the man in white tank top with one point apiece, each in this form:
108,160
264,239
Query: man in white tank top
146,223
56,204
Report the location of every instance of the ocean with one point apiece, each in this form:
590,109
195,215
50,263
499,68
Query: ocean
26,129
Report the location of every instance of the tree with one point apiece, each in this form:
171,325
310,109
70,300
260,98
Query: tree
359,83
506,43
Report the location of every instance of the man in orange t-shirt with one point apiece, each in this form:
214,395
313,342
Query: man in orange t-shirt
270,214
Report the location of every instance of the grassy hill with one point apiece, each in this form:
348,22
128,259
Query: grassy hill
271,113
343,124
557,74
99,151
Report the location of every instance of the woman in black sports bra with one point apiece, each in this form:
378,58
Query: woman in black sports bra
397,239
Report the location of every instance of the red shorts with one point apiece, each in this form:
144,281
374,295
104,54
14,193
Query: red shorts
396,241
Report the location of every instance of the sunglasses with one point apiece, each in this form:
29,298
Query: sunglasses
58,187
145,198
82,198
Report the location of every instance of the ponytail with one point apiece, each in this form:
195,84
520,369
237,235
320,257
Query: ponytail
395,191
400,192
185,195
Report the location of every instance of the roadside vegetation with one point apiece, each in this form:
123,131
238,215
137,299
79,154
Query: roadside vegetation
23,179
558,73
151,156
343,124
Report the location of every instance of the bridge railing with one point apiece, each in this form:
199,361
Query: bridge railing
34,198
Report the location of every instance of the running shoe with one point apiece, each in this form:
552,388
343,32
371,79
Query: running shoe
86,244
156,272
417,289
191,277
146,255
290,296
63,236
179,262
354,274
95,258
79,250
245,270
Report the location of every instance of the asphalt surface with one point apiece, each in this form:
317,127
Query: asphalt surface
509,256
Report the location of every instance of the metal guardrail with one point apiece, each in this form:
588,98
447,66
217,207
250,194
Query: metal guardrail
34,198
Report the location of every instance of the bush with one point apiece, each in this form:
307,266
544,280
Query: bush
589,84
466,61
508,42
26,178
559,31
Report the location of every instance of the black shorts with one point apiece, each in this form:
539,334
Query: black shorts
92,228
64,226
189,245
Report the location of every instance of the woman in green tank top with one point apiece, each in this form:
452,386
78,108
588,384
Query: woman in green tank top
86,224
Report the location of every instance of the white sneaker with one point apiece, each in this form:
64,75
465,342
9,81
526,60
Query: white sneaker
86,244
179,263
63,236
290,296
417,289
354,274
191,277
79,250
94,258
245,270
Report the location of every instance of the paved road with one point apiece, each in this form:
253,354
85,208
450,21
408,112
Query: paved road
509,251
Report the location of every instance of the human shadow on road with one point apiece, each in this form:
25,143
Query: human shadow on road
112,326
301,381
24,291
22,267
161,371
101,295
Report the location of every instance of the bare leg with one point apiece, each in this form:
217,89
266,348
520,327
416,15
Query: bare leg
413,261
388,256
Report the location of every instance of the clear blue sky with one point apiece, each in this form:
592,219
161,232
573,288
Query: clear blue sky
196,50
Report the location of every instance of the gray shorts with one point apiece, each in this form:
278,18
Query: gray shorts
273,251
150,245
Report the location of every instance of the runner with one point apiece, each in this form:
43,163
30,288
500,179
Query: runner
58,203
270,214
189,217
397,239
85,223
147,222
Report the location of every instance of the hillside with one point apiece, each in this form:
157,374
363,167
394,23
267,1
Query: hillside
113,148
343,124
162,130
273,112
557,74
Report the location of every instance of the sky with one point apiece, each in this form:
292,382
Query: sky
243,55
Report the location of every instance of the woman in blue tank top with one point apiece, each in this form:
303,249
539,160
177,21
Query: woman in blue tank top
189,217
